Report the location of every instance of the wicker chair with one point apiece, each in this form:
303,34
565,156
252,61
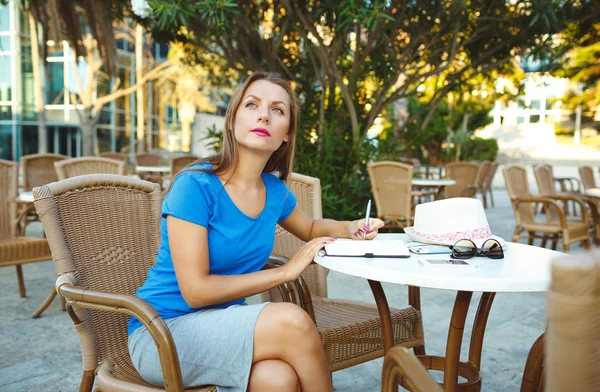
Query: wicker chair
14,249
400,363
104,234
524,206
149,160
178,163
573,332
465,174
545,183
587,177
38,169
117,156
88,165
487,183
391,185
350,331
482,177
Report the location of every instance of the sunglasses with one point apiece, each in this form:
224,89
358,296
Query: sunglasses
465,249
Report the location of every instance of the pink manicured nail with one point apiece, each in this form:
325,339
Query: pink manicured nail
324,243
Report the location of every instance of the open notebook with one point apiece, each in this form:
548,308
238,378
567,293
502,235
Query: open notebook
375,248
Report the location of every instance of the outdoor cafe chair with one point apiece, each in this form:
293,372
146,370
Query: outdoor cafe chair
178,163
88,165
543,177
104,234
524,206
480,182
399,363
15,248
391,185
489,179
350,331
149,159
118,156
587,177
465,174
38,169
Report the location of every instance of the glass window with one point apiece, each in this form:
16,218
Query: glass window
122,141
5,43
4,17
103,137
27,85
55,85
6,139
28,113
81,70
5,78
535,104
5,112
29,139
55,49
25,46
55,115
24,21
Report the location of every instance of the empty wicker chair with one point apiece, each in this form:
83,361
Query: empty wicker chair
465,174
178,163
38,169
524,206
350,331
543,177
14,249
487,185
88,165
480,183
105,239
573,332
118,156
399,364
149,160
391,185
587,177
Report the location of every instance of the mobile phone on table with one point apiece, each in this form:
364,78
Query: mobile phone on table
444,263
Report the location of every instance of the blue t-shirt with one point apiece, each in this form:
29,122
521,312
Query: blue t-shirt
237,243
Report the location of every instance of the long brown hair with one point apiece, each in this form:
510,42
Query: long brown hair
282,159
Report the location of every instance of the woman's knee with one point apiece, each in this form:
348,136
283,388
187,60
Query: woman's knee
273,375
291,319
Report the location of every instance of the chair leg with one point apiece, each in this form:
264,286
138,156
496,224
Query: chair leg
87,381
554,242
516,234
46,303
530,240
566,246
491,197
586,244
21,281
544,240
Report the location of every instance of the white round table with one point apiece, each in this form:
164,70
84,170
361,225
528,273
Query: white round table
438,184
153,169
594,192
524,268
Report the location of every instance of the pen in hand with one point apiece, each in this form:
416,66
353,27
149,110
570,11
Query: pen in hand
367,218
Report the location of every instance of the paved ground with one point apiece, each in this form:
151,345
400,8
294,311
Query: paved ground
44,353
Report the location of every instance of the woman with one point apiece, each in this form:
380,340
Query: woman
218,227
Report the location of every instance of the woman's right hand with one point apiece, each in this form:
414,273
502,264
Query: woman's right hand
305,255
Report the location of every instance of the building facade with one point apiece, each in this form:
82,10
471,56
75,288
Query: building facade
116,130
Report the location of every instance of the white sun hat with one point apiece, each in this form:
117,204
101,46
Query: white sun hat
446,221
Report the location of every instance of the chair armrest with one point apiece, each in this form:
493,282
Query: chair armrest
542,200
574,199
290,289
399,362
21,220
133,306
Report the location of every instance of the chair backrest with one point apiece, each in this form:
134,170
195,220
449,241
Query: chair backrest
587,177
515,177
391,185
489,178
544,179
104,230
38,169
118,156
465,174
484,169
9,178
148,159
573,330
178,163
88,165
308,198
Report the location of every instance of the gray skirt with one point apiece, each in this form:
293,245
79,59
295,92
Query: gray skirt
214,346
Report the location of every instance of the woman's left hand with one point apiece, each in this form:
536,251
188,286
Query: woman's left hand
358,230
